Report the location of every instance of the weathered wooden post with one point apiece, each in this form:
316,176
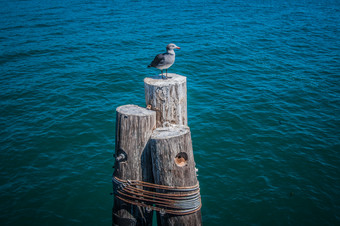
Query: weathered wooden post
168,97
155,167
134,126
174,165
171,148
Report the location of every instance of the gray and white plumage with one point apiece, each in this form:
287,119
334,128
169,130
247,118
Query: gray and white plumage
165,60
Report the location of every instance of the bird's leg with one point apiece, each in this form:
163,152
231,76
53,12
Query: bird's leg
166,73
162,72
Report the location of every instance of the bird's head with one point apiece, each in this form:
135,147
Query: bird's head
172,46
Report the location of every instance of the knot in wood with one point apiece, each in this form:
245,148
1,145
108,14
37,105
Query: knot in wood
161,94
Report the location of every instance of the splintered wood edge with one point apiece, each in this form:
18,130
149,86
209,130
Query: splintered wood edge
131,109
169,132
171,80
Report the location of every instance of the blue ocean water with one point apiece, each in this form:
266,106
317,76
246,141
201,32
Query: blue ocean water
263,102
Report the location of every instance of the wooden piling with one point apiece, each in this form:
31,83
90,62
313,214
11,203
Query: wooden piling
174,165
134,126
168,97
155,146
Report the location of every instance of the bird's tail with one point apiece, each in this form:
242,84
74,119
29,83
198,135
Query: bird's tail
149,65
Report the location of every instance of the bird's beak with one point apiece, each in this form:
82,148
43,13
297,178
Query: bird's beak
177,47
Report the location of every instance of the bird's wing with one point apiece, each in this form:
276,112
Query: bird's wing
159,60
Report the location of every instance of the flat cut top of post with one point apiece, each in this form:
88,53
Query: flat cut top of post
159,81
169,132
131,109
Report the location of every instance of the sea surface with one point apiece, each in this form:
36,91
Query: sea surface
263,81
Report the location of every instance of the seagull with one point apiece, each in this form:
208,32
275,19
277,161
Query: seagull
165,60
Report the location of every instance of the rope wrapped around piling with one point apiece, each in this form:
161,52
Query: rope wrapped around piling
172,200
